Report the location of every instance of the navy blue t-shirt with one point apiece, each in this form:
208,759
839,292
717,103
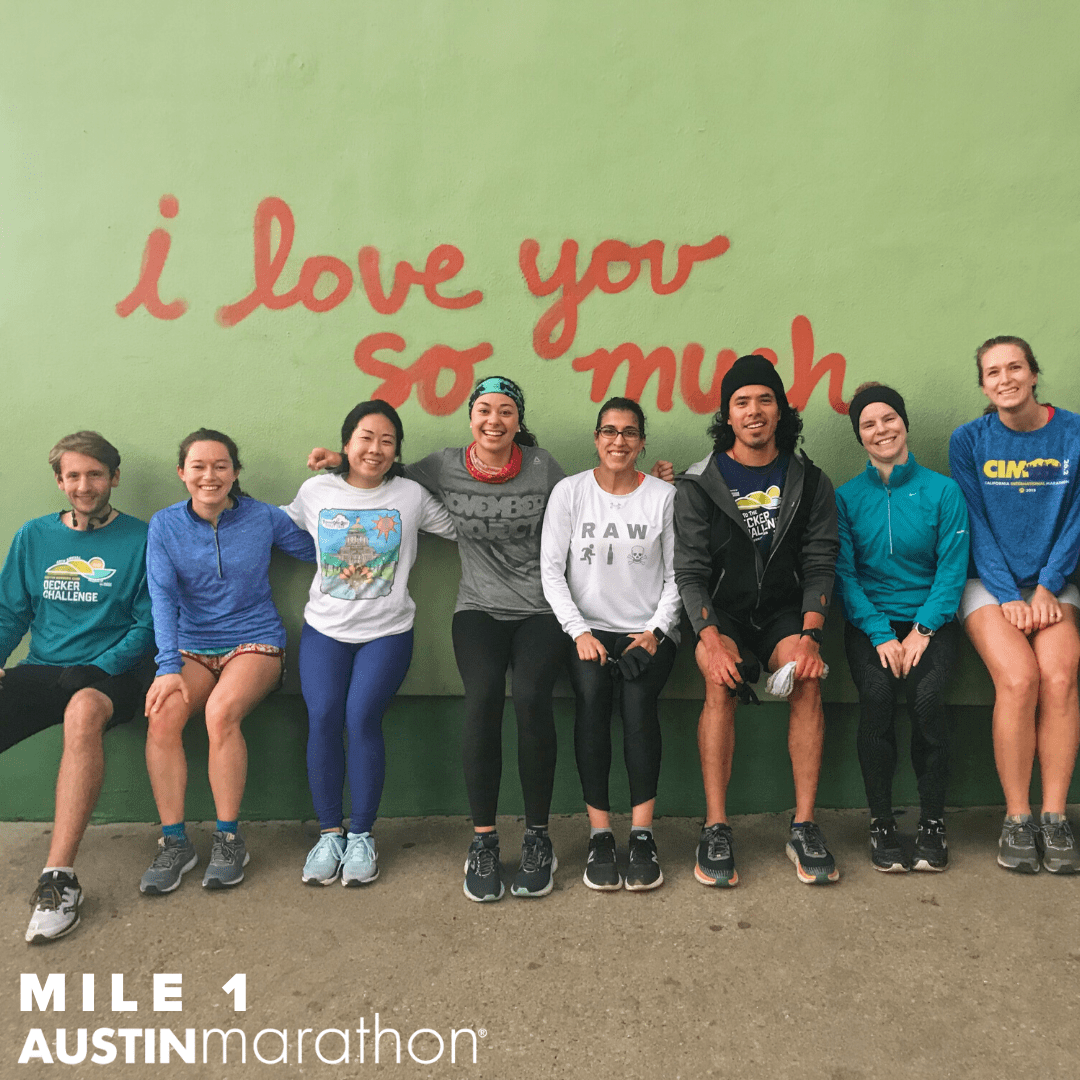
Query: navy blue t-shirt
757,490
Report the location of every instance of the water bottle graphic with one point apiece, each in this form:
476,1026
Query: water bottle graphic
610,554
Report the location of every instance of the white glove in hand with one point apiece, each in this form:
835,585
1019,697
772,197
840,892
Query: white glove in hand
782,681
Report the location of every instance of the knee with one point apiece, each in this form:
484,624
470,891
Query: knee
1021,681
1058,683
86,715
222,721
167,723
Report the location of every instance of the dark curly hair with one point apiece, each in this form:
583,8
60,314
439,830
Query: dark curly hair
788,430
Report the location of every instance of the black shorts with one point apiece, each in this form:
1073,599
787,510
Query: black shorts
31,701
761,642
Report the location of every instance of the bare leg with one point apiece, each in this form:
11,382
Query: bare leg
641,815
716,739
82,768
1009,658
806,731
1057,651
244,682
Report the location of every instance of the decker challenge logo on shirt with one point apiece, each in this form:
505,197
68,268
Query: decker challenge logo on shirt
63,580
1039,472
758,509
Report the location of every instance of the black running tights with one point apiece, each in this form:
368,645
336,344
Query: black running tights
925,689
534,649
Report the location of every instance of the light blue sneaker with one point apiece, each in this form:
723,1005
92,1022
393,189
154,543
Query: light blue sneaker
360,863
324,860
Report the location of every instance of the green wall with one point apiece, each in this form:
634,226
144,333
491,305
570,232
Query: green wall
895,182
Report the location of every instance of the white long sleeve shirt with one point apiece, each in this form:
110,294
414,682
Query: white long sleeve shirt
606,561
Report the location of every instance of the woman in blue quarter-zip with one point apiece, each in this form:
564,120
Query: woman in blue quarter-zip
220,646
901,571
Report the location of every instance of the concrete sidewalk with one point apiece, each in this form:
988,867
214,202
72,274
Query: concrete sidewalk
970,973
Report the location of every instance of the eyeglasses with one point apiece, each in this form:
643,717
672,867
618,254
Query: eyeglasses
608,431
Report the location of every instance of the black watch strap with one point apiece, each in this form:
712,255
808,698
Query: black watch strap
812,632
659,635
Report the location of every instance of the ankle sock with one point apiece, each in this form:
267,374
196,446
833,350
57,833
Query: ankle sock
1018,819
536,830
177,831
69,870
640,828
597,832
1051,818
227,826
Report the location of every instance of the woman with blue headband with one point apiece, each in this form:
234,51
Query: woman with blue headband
496,490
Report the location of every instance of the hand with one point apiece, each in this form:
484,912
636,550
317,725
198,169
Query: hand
892,656
321,458
1019,614
1,672
716,661
644,640
808,662
663,470
590,648
1045,609
162,688
914,645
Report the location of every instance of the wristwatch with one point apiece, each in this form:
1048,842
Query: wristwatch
659,635
813,633
924,630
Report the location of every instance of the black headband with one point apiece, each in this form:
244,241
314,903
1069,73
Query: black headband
886,395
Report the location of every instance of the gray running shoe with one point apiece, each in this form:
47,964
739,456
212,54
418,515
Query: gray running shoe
56,902
1059,852
173,860
1018,848
228,857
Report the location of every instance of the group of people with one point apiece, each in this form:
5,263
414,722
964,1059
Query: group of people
591,573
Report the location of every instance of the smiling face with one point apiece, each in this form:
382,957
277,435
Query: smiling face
619,453
753,414
1007,378
494,422
371,450
883,434
208,474
86,482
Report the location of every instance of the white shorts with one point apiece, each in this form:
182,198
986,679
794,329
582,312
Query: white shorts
977,595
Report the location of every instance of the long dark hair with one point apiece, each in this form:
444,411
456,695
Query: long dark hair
622,404
490,385
211,435
356,414
788,430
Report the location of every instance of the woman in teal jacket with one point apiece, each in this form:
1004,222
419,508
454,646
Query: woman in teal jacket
901,571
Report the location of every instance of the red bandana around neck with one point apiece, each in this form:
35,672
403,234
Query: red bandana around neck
485,473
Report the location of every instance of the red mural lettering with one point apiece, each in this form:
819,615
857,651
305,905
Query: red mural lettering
398,382
145,294
808,374
443,263
551,342
604,364
696,399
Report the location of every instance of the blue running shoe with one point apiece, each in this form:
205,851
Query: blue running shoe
324,860
360,863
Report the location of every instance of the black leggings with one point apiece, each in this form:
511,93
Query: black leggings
595,691
925,688
484,648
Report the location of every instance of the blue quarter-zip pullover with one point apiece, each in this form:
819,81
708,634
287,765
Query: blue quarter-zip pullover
210,586
903,548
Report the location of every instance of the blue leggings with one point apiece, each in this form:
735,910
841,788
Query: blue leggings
349,686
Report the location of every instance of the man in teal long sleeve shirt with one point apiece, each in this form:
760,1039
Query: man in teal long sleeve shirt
77,582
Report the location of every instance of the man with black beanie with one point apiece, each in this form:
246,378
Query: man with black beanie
755,553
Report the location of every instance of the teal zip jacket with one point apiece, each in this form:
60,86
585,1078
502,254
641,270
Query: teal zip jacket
903,548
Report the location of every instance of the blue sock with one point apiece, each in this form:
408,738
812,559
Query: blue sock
226,826
177,831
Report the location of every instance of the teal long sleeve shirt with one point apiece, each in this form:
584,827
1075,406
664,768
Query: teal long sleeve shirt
903,548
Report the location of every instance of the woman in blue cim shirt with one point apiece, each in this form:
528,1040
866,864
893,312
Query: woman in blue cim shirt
1017,465
901,569
220,646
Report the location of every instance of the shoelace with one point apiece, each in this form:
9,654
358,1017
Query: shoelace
1057,834
1022,833
483,861
719,843
641,850
365,842
886,835
224,852
532,851
812,840
48,896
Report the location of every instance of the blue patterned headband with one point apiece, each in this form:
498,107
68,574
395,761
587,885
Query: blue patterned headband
499,384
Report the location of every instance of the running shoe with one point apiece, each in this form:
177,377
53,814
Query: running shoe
931,849
538,864
601,869
1059,852
56,902
716,857
1018,848
360,864
483,872
174,859
228,857
885,851
644,871
806,849
323,863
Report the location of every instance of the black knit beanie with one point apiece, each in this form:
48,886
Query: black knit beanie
886,395
751,371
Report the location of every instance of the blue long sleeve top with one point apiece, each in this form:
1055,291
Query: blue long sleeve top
210,586
903,548
1021,493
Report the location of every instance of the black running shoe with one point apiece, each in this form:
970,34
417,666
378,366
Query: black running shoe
538,863
885,851
601,869
483,876
716,857
931,849
644,870
806,849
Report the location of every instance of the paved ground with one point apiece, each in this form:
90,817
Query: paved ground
971,973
